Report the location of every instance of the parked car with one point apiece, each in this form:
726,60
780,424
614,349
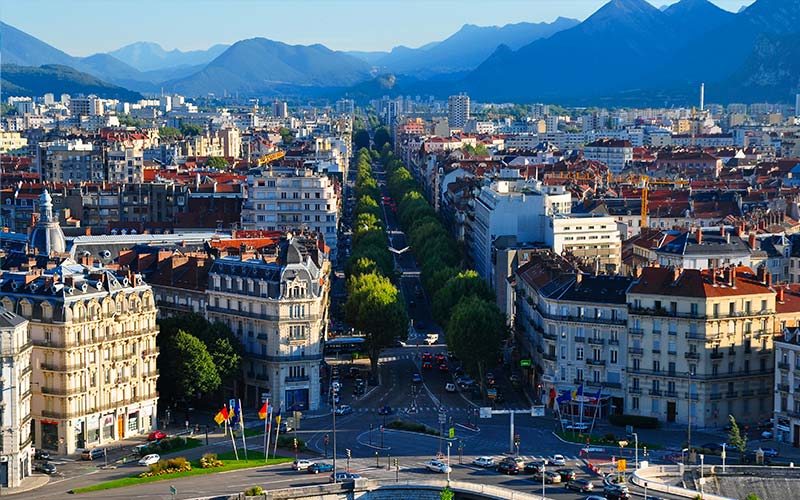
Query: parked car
151,459
534,467
712,446
450,387
557,460
567,474
517,460
44,467
437,466
92,454
552,477
302,464
385,410
344,409
318,467
41,454
431,338
484,462
770,452
616,492
156,435
284,428
465,382
416,378
582,485
344,477
508,467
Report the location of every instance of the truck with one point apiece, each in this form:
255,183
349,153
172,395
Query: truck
432,338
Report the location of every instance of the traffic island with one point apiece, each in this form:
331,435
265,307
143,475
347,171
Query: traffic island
228,460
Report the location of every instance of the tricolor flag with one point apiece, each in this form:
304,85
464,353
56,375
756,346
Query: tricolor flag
577,393
596,397
222,416
278,417
564,397
262,413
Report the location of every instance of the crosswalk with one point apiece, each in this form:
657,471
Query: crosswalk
428,409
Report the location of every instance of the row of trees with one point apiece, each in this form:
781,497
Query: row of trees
196,357
374,305
461,301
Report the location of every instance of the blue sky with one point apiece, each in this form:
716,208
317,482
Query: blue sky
83,27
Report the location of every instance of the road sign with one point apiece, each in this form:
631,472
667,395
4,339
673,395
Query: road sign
486,412
452,432
264,397
524,362
442,418
537,411
622,465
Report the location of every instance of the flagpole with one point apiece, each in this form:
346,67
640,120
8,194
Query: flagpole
596,407
277,431
267,428
233,441
580,419
241,425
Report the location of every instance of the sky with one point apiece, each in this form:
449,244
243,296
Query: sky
84,27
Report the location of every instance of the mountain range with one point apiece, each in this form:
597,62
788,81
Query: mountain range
628,51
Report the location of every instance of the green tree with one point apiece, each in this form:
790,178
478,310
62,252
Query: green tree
752,496
216,162
375,308
736,438
361,139
362,265
194,373
169,133
446,494
191,129
287,136
478,150
465,284
127,120
381,138
475,332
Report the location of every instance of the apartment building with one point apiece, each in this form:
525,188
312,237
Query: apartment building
458,110
288,199
592,238
12,142
700,345
787,387
70,161
616,153
15,400
125,163
85,106
511,206
276,302
579,325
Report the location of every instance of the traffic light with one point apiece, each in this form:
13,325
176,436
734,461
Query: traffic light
396,466
347,452
516,439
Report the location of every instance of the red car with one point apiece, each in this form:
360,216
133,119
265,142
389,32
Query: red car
427,365
156,435
426,356
440,358
443,367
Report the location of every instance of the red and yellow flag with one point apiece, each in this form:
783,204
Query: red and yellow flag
222,416
262,413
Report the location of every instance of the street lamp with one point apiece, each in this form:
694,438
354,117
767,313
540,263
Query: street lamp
636,447
544,466
449,444
702,475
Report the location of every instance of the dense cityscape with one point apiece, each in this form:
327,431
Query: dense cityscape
366,274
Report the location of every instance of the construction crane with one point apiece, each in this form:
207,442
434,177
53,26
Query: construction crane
645,185
270,158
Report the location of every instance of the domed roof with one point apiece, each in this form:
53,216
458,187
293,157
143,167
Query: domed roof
47,237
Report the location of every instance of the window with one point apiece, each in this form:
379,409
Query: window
579,353
654,408
635,403
613,356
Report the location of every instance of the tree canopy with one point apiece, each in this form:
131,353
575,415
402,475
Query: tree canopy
191,372
361,139
381,138
191,129
169,133
217,162
464,284
475,331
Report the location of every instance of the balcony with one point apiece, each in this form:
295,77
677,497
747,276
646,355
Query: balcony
673,333
717,355
692,355
580,339
655,392
748,392
549,357
289,380
62,391
636,331
671,394
732,394
635,390
783,365
783,387
656,332
596,341
613,341
596,362
549,336
656,350
714,396
580,319
635,350
695,336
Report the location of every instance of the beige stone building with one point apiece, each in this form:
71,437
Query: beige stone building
94,352
701,344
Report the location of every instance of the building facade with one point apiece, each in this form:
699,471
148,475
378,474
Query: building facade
616,153
276,302
594,239
458,110
15,400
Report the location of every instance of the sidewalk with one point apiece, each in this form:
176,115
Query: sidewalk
31,483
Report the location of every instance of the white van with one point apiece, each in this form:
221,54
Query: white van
432,338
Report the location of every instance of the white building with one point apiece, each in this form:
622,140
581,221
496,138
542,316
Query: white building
287,199
616,153
277,304
15,400
512,207
458,110
593,238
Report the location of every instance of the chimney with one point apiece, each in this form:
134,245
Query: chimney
579,278
768,279
638,271
733,276
714,276
726,275
676,273
739,231
699,236
779,294
761,274
88,231
752,241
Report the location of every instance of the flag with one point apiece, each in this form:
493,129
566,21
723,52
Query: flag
262,413
278,417
564,397
596,397
221,416
577,392
553,394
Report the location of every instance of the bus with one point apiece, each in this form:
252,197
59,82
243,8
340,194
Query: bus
345,345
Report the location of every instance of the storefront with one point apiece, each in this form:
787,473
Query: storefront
133,424
49,432
93,429
108,426
296,399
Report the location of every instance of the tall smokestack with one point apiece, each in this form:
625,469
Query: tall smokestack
702,96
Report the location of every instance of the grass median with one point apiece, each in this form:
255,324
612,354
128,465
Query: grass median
228,458
607,440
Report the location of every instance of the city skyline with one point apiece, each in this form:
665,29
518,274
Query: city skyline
334,26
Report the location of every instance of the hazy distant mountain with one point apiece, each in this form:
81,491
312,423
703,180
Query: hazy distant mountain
370,57
468,47
33,81
771,72
259,65
629,47
18,47
148,56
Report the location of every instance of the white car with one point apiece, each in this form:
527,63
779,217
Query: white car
302,464
485,462
578,426
592,449
149,459
557,460
450,387
437,466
